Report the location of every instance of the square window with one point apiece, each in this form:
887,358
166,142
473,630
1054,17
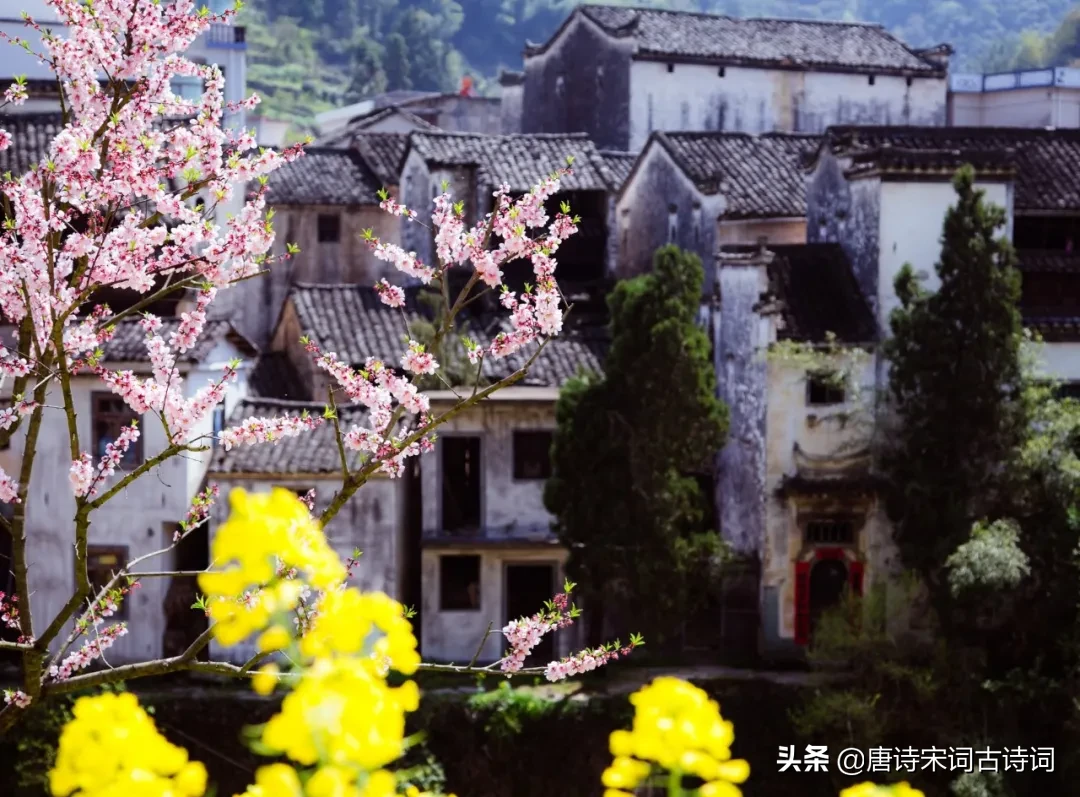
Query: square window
459,583
109,417
830,531
102,563
532,455
329,228
823,389
218,421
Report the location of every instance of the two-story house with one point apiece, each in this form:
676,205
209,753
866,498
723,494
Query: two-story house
619,74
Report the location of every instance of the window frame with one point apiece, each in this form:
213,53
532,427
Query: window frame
134,456
443,602
322,218
518,462
818,380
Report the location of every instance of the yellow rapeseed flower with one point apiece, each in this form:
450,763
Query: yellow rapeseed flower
348,620
111,747
677,726
265,532
276,780
873,790
342,712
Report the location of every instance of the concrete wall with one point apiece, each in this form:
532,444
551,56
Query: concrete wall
581,84
372,520
1039,106
512,96
749,231
698,97
509,508
660,205
1059,360
455,635
137,517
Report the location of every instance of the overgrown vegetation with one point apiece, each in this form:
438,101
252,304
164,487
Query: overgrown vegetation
624,491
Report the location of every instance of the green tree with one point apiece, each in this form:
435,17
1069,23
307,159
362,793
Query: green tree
629,447
955,385
396,63
368,76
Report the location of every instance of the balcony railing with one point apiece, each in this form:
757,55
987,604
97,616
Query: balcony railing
226,37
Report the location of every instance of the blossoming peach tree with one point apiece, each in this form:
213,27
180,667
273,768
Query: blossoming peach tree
128,198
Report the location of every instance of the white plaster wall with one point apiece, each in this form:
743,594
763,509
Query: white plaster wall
748,231
1040,106
819,431
1059,360
509,507
455,635
136,517
393,123
912,215
371,520
696,97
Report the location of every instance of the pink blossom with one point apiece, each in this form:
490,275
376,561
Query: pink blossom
391,295
418,361
90,651
17,698
5,139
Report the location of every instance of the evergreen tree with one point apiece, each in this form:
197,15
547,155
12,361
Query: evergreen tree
396,63
628,450
955,385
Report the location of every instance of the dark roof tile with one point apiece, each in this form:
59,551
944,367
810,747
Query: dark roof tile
519,161
324,177
1045,160
759,42
619,164
760,176
312,452
128,344
383,154
31,136
274,377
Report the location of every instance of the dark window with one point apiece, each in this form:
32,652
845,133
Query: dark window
102,563
219,421
459,583
830,531
110,416
1068,390
671,67
532,455
870,80
720,71
909,80
461,483
329,228
824,388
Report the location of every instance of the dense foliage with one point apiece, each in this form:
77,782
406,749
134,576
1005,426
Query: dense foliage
623,490
984,484
307,56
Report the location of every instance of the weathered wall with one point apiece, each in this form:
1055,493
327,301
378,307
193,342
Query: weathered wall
513,99
137,517
370,521
749,231
509,507
392,123
1059,360
580,84
458,114
419,187
742,336
455,635
912,215
698,97
833,431
1038,106
660,205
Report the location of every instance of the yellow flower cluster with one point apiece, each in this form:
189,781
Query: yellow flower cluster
342,712
346,621
677,727
873,790
281,780
265,531
112,749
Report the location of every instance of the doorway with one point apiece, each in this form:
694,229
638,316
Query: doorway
527,587
828,581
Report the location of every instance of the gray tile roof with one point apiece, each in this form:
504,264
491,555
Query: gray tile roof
519,161
760,176
682,35
383,153
128,344
309,453
352,322
31,136
1048,261
1046,161
619,164
361,124
324,177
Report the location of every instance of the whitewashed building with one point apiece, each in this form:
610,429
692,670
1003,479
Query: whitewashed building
619,74
1025,98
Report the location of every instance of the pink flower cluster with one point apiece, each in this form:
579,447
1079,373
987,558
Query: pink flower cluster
198,512
17,698
9,614
525,634
267,430
417,361
584,661
83,479
88,653
391,295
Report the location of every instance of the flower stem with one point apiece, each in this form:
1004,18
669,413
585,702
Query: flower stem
674,783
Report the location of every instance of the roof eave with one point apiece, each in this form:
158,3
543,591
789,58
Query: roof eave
929,71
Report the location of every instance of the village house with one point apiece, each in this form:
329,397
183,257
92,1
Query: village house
463,112
144,516
619,74
717,189
1024,98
